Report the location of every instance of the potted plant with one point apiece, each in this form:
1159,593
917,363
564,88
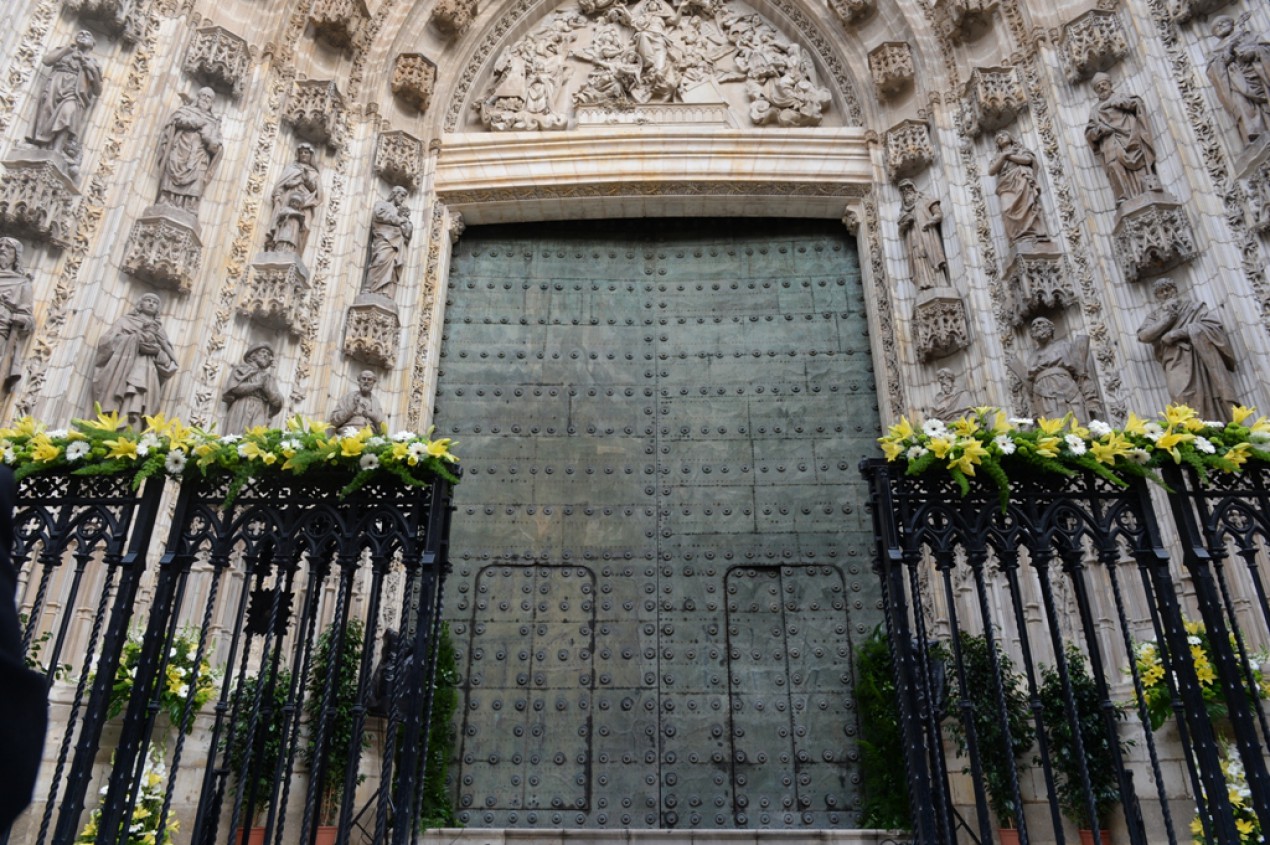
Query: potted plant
336,753
253,755
1095,750
997,758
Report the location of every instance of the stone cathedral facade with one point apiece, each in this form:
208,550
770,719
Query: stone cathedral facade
664,268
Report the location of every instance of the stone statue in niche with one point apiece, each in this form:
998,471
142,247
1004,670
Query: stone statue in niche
359,408
189,149
1019,191
17,315
1121,139
953,400
295,196
920,219
390,233
1195,351
134,359
1057,375
1240,70
74,84
251,394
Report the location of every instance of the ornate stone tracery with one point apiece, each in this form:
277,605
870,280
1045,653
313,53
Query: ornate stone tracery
315,111
413,78
1093,42
219,58
892,67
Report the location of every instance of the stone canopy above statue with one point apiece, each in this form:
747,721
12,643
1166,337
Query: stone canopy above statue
622,62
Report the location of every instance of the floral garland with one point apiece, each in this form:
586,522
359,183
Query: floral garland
988,438
108,446
143,827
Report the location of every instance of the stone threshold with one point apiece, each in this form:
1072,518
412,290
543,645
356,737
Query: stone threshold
583,836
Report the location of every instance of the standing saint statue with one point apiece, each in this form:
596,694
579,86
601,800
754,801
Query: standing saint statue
359,408
17,315
189,149
134,359
295,197
1057,375
1240,70
1018,190
1121,139
251,394
920,219
390,233
1195,351
70,91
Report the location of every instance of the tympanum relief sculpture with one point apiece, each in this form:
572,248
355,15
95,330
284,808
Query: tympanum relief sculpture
651,57
1193,348
1057,375
251,394
17,314
1239,67
134,359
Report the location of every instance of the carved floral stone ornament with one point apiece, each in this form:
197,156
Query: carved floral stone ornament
414,77
218,58
851,13
120,18
1152,237
338,23
276,294
1092,42
965,20
37,199
605,61
891,64
908,148
939,324
315,111
372,334
164,249
1038,282
399,159
995,97
452,17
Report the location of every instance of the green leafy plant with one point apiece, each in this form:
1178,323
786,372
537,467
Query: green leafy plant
337,755
884,785
182,681
996,756
143,827
437,808
32,658
1095,749
255,755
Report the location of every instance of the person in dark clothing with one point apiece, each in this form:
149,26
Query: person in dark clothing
24,701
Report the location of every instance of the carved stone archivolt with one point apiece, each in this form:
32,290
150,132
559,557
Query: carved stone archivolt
218,58
372,332
339,23
1152,236
164,249
276,293
119,18
908,148
851,13
995,97
414,77
892,67
939,323
315,111
399,159
612,56
451,18
1092,42
37,199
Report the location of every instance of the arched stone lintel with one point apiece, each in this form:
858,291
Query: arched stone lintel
527,177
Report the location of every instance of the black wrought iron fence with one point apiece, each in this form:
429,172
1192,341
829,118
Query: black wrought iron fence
1077,562
277,674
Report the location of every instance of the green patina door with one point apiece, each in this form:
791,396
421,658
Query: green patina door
661,555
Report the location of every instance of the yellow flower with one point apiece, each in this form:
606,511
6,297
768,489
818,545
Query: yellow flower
1109,448
24,427
351,447
891,448
1238,454
940,446
122,448
105,422
1179,414
1170,440
965,426
441,449
1051,426
1239,413
1245,826
179,434
157,424
1000,422
1047,447
1197,826
973,452
43,449
902,430
253,452
399,451
1136,425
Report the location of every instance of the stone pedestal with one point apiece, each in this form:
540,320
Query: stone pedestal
1037,281
372,332
164,248
1152,236
277,292
939,323
37,198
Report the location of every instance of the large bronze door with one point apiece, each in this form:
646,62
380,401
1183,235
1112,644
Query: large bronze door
660,553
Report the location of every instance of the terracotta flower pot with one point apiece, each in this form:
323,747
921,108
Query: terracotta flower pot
1009,836
1087,836
326,835
255,836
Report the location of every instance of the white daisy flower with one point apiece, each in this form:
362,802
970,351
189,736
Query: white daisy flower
230,438
77,450
1205,445
368,461
175,462
1005,443
290,443
58,433
9,456
417,450
1140,456
1021,421
1075,444
915,452
1098,428
375,442
403,436
934,428
1153,431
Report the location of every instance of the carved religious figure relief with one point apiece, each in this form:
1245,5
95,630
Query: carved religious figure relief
1120,135
189,149
134,359
17,315
651,57
73,86
294,199
1019,191
1057,375
390,234
1193,348
953,400
251,394
920,220
1239,67
359,408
